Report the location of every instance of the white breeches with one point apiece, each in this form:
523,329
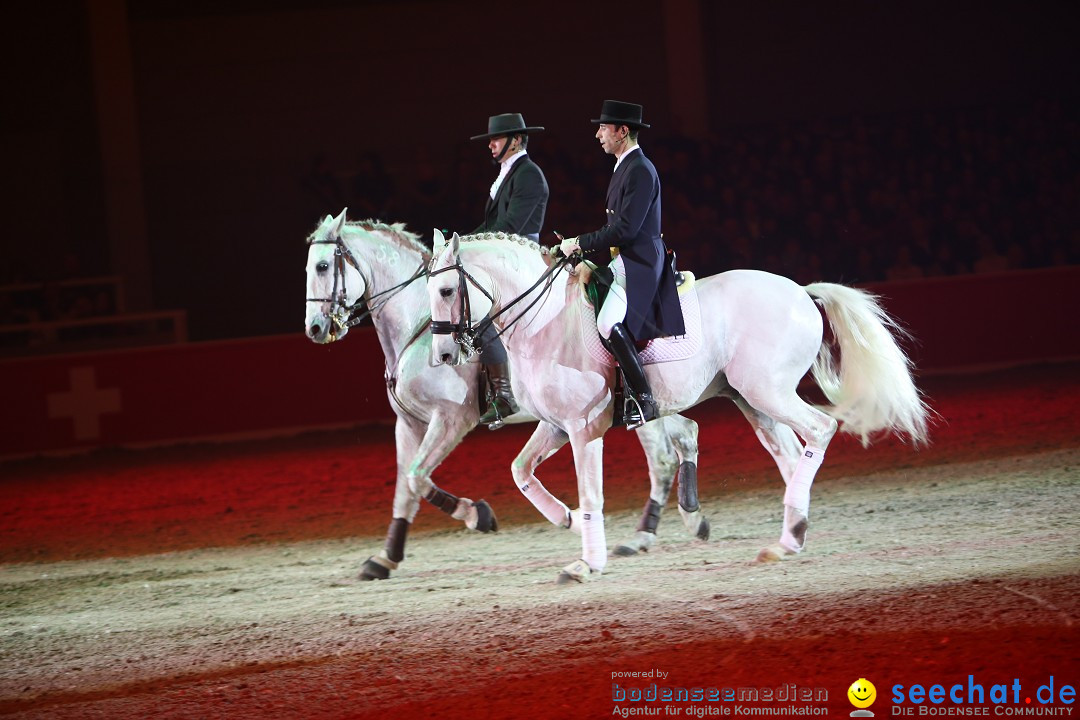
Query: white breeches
614,308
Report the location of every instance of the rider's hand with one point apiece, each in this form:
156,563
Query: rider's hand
569,246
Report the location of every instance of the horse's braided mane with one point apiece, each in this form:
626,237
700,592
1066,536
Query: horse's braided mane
411,240
507,237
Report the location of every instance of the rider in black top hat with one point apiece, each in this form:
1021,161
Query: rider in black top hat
643,301
516,204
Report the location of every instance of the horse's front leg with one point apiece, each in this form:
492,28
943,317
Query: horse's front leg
544,442
444,433
420,449
589,464
408,434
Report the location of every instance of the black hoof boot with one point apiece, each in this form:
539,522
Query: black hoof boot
372,570
486,522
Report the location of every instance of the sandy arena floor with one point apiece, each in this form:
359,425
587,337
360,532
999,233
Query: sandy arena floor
218,581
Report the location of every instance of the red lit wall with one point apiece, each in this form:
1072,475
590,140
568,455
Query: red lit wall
281,383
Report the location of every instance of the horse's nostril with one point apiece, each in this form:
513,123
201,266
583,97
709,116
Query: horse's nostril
314,331
446,358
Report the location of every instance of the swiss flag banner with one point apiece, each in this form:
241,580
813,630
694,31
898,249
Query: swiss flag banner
190,391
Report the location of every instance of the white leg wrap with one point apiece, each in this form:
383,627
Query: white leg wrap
593,540
549,506
797,494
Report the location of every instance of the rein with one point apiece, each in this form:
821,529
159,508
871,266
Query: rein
463,331
342,316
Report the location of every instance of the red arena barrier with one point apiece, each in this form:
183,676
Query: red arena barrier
282,384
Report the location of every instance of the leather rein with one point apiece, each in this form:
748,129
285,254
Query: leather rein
464,332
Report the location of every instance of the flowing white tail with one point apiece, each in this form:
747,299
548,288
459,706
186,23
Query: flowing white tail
869,385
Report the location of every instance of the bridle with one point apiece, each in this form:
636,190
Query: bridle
343,316
464,331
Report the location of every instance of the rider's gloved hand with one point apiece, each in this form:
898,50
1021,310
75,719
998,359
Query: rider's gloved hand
569,246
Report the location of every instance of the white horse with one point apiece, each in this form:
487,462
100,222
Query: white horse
350,264
760,335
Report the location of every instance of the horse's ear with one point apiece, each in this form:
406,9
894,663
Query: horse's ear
455,244
438,242
338,223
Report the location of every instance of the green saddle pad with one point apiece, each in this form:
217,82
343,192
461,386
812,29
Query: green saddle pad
599,285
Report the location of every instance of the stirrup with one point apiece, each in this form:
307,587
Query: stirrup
500,419
498,422
634,413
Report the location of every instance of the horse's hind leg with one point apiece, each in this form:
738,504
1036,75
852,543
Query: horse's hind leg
780,413
663,461
684,434
778,439
544,442
670,446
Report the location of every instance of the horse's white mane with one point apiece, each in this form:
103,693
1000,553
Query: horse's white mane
396,232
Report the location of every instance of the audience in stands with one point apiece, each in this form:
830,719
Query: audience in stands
850,200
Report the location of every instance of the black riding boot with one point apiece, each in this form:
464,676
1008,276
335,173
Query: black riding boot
637,385
503,404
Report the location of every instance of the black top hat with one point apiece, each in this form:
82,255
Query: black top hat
506,124
620,113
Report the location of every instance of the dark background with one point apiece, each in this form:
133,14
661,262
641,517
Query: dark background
252,120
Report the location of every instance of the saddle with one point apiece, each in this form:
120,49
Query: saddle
601,277
664,349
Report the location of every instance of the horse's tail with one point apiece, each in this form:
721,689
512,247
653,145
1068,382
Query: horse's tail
869,384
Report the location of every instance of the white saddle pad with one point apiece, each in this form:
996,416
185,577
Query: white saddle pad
666,349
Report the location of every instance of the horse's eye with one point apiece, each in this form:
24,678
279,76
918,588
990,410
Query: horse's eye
446,292
322,267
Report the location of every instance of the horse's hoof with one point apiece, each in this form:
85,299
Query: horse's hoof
767,555
372,570
703,529
486,522
639,543
577,571
773,554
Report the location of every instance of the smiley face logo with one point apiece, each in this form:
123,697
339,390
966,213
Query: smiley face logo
862,693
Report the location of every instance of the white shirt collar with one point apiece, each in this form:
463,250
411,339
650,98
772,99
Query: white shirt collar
504,170
624,156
